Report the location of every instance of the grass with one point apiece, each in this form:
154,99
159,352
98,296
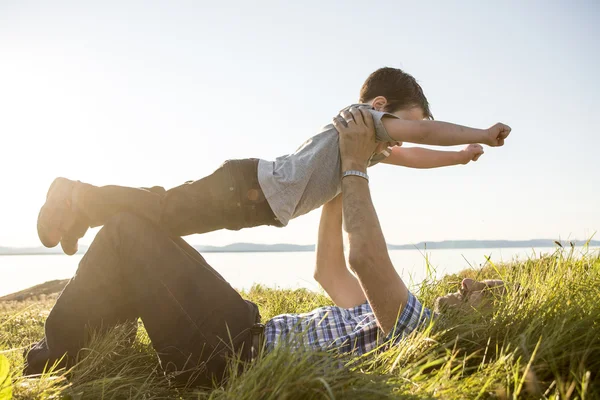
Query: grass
541,341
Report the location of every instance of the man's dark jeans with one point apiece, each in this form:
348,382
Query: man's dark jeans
133,269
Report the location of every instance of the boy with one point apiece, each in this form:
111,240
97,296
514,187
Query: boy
252,192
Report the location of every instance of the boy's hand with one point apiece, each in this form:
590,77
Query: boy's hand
496,134
472,153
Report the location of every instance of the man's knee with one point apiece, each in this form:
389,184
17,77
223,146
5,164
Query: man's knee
134,240
126,225
125,233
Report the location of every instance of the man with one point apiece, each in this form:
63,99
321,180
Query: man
134,268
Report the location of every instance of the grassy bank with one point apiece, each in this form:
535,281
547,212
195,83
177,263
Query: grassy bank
542,341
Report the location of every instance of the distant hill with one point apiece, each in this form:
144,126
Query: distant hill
253,247
47,288
283,247
492,244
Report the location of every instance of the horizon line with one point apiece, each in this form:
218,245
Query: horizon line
558,242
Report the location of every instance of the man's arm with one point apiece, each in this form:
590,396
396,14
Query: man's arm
440,133
418,157
368,258
330,269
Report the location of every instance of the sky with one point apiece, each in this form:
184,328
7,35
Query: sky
144,93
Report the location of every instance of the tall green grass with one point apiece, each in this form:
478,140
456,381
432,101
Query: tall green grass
542,340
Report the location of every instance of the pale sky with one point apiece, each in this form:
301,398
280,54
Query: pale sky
158,93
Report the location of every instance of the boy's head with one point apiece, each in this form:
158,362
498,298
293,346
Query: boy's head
394,91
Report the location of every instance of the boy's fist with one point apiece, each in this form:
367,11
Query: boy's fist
472,152
496,134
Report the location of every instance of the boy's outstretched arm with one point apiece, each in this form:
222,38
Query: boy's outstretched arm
418,157
440,133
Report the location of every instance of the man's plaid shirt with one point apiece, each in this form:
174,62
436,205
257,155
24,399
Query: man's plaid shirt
348,330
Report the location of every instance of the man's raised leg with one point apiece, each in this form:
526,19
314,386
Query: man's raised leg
135,269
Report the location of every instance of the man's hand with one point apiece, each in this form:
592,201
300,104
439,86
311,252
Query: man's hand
357,138
472,153
496,134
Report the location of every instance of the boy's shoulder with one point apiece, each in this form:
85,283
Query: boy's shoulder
380,131
359,105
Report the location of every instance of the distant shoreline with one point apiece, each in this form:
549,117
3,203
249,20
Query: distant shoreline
293,248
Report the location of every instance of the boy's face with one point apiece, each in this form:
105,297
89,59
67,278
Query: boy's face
379,103
412,114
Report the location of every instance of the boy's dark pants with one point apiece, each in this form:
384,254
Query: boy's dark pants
138,268
229,198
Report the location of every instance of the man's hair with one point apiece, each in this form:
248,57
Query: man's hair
399,88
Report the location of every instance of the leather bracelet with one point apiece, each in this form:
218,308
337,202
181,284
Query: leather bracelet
353,172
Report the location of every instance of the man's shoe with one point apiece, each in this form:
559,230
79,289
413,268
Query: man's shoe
56,214
39,359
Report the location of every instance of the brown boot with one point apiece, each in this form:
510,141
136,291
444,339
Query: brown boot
56,215
72,206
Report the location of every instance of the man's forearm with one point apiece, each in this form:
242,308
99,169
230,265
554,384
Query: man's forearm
330,244
417,157
369,257
435,133
330,269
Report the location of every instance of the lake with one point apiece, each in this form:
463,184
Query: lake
283,270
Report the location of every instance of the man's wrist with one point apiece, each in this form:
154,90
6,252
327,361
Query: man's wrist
353,172
354,166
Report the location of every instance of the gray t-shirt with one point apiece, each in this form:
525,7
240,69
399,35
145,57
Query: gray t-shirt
298,183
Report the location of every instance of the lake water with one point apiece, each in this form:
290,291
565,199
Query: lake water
283,270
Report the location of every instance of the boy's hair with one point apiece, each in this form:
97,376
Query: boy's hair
399,88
